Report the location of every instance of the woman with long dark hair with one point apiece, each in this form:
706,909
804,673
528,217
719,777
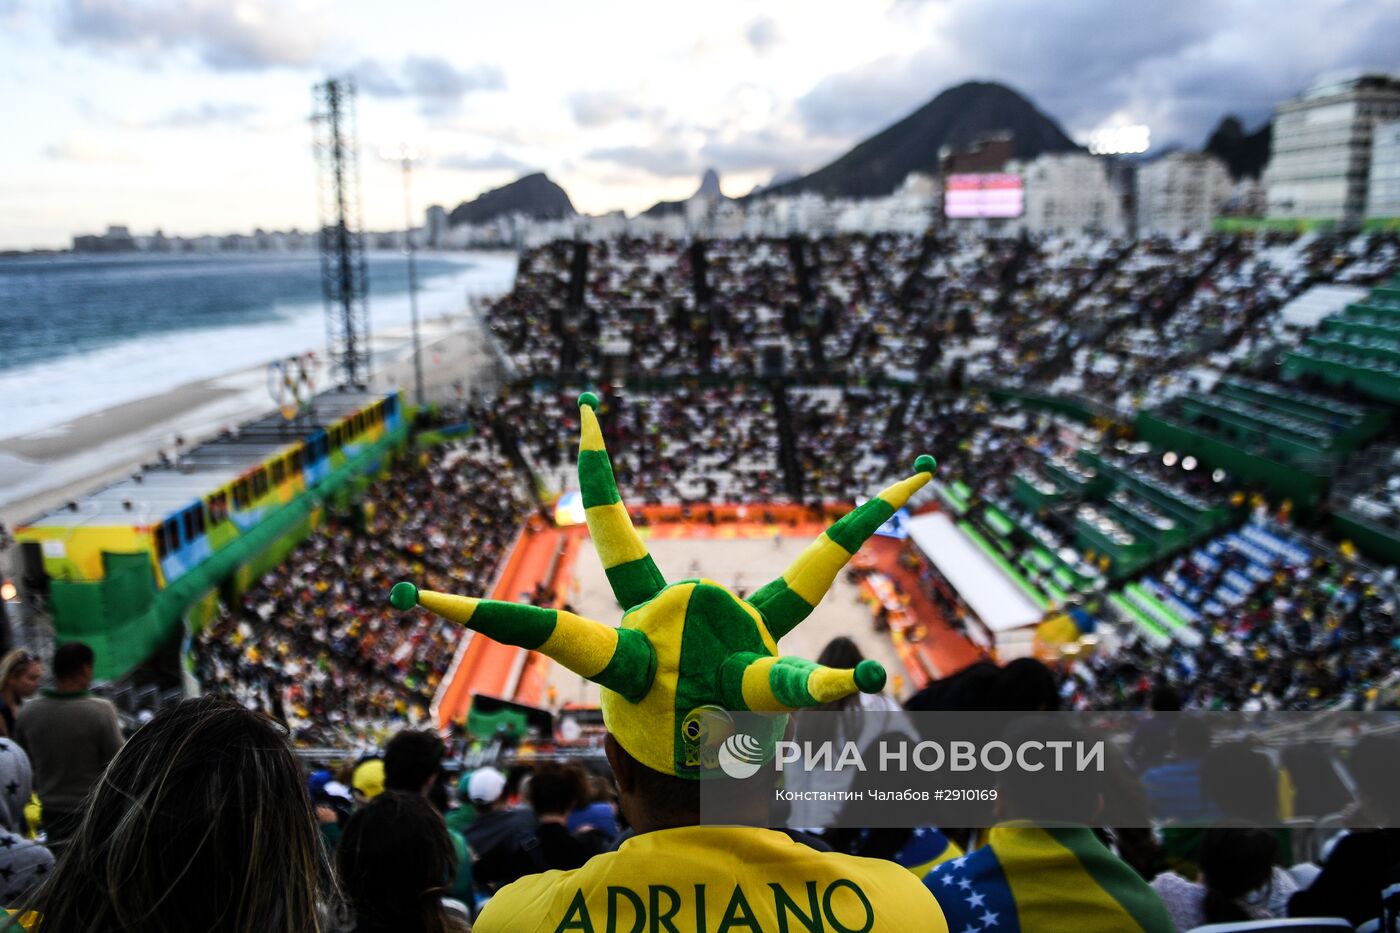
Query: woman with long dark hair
200,823
395,863
20,674
1239,880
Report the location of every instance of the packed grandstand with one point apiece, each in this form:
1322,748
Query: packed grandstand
1017,341
1189,487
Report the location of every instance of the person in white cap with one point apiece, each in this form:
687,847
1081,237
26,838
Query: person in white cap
503,838
485,786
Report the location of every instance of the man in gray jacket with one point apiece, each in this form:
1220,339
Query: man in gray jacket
70,736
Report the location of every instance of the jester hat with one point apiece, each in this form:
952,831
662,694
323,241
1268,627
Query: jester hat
684,647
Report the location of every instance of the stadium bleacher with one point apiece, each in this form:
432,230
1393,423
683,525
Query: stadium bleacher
1255,618
313,641
810,370
1359,348
1290,440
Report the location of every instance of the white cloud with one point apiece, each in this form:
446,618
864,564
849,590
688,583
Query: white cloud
246,35
602,108
779,148
87,149
437,84
663,160
762,34
209,113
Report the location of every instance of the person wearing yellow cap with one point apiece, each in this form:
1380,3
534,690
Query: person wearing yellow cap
368,780
683,649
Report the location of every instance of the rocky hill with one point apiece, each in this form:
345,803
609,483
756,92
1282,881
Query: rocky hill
957,117
534,196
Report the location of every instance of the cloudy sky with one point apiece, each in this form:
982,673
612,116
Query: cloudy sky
191,115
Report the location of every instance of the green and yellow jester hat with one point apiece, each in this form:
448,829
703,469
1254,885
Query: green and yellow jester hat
682,648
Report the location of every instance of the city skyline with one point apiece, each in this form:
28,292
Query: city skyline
192,116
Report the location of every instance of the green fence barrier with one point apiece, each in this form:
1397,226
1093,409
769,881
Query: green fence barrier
999,523
1270,224
1144,622
1155,608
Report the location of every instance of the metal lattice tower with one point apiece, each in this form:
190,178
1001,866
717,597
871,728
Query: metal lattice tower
344,279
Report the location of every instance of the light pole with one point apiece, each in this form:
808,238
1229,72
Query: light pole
406,156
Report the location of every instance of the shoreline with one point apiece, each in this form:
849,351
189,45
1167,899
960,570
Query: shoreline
127,365
41,469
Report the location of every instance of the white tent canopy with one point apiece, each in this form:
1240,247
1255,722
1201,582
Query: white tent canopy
1318,302
998,602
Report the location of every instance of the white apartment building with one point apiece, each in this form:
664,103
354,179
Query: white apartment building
913,207
1320,158
1383,198
1070,192
1248,198
1181,191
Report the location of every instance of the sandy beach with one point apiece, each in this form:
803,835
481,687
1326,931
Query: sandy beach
44,468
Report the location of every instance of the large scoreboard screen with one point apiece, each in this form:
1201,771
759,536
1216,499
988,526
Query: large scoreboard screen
988,194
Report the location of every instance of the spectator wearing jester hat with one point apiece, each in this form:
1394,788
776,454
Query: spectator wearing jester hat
683,647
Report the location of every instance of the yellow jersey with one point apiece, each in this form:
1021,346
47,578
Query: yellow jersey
715,879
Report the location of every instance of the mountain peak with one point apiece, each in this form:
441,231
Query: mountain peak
533,195
1230,127
957,118
709,185
709,190
1245,154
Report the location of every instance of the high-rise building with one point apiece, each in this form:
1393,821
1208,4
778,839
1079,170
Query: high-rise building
1320,158
1181,191
436,227
1070,192
1383,199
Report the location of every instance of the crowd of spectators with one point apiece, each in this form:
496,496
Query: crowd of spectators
315,642
1227,319
753,288
697,445
527,322
683,445
1370,488
843,442
1123,322
1282,627
1139,288
1281,624
863,325
1038,307
211,822
639,295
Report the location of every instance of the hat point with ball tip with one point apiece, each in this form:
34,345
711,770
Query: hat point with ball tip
685,647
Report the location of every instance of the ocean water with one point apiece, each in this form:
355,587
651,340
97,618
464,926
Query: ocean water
81,333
